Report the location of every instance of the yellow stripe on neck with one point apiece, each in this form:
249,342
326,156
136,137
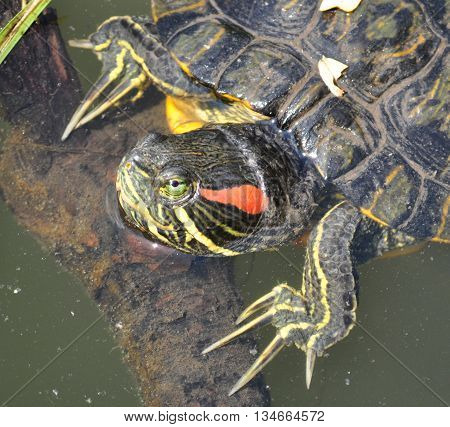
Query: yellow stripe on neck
190,228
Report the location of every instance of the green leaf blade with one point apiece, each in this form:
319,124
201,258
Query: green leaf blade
18,26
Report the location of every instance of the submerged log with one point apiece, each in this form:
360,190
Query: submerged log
170,306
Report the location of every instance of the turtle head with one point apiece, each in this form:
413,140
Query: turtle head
216,191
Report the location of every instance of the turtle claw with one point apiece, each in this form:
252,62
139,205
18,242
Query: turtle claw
310,361
82,44
262,320
122,71
93,94
266,301
259,304
265,357
119,92
288,314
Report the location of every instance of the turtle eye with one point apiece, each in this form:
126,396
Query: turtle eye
175,188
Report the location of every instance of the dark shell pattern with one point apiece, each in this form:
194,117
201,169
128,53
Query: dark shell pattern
385,143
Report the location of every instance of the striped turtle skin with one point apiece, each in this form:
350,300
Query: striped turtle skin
259,141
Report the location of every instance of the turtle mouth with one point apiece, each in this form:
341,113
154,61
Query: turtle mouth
129,187
133,211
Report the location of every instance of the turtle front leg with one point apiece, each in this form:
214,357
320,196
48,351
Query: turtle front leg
323,311
133,57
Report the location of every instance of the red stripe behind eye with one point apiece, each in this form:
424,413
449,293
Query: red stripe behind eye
247,198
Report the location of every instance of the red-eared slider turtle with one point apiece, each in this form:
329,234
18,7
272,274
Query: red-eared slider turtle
262,139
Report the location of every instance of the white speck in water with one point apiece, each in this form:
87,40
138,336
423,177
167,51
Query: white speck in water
88,400
17,290
253,352
347,381
119,325
55,392
18,268
72,313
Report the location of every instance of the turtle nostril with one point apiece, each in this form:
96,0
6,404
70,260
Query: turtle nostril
136,159
137,162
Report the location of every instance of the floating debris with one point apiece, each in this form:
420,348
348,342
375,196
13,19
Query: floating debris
119,325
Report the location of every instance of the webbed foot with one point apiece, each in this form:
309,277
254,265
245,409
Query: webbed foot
133,58
287,311
123,72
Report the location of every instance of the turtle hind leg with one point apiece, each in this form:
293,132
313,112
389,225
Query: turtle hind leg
133,58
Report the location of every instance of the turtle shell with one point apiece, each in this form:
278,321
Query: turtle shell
385,143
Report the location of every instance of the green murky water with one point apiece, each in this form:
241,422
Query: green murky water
42,310
403,305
